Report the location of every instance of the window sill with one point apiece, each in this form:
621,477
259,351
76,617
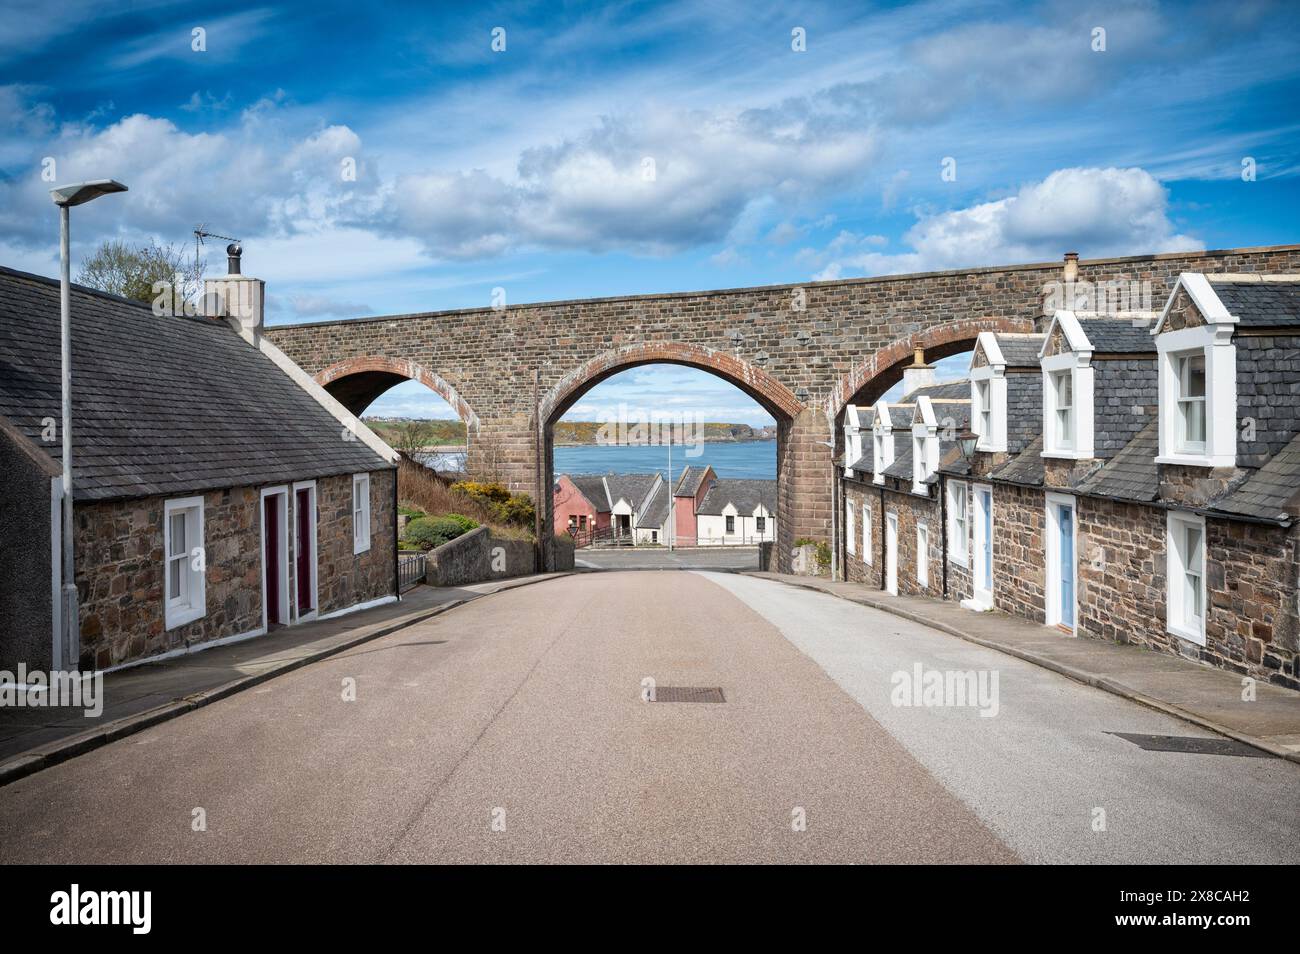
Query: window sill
1066,454
955,560
1182,632
182,615
1195,460
359,548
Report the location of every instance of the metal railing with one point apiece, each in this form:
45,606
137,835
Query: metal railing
411,570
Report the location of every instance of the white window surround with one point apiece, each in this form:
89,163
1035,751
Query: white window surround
850,531
180,575
866,535
1052,555
298,614
360,513
1077,361
923,555
988,383
1185,597
1220,405
883,443
958,541
852,438
925,445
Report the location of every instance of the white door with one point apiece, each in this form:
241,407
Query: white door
891,553
984,546
1060,561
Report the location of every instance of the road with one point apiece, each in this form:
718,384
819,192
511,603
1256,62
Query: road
661,558
513,729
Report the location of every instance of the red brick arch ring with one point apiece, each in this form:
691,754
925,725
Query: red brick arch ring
375,374
775,397
875,375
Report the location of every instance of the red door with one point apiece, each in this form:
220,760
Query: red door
306,550
271,559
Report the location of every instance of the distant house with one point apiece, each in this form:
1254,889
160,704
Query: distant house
218,491
737,512
610,505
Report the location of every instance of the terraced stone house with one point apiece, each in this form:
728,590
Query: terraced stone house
218,492
1137,481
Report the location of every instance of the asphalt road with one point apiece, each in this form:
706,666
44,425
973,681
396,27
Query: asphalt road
513,729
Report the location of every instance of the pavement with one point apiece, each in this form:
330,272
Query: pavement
152,692
1211,698
734,558
513,729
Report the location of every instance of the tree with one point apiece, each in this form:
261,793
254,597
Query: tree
412,437
132,270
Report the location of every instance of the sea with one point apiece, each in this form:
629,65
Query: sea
742,459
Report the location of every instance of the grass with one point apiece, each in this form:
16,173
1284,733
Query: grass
418,488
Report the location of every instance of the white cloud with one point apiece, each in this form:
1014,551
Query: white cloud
1096,212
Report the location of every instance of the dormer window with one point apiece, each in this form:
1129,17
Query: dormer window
988,394
1198,377
1066,359
925,445
882,439
852,439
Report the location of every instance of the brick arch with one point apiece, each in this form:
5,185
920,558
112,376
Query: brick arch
356,382
879,371
775,397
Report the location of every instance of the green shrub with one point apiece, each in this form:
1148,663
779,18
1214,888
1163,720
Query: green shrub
430,532
517,511
484,493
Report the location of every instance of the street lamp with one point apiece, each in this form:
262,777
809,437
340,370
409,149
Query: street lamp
966,441
65,197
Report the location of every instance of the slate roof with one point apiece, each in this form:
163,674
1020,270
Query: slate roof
1131,473
1020,351
1024,410
688,485
1260,304
943,389
592,486
901,468
1272,492
160,405
654,510
1025,468
744,495
630,487
1118,336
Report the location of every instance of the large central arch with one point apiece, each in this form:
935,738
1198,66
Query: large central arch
773,396
357,382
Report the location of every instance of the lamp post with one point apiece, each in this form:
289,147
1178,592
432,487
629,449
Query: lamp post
966,442
65,197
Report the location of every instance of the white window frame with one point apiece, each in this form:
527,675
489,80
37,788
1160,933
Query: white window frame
1078,361
852,439
923,555
867,548
958,523
1177,621
891,553
988,395
1215,342
925,445
192,603
1052,559
883,452
361,516
851,531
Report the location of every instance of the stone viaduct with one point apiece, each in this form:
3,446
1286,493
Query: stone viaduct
801,351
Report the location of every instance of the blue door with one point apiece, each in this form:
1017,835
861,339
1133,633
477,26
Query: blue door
1066,524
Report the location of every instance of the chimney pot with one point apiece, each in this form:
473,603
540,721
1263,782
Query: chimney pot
1071,266
233,251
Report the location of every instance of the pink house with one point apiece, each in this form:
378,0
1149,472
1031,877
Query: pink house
688,494
580,504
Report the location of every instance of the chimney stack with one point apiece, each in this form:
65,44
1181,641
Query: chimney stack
1071,267
918,374
236,297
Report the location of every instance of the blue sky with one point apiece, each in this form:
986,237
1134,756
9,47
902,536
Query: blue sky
526,169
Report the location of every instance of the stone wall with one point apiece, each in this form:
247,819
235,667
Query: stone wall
802,351
912,511
1019,573
857,569
961,583
119,553
27,601
1120,549
477,556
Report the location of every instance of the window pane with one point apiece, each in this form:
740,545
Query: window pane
177,532
1065,390
1193,555
1192,376
176,570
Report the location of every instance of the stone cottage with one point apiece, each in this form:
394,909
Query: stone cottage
218,492
1130,480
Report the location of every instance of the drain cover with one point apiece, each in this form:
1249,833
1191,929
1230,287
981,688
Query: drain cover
688,694
1192,745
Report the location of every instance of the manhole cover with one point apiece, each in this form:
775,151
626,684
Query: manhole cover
1192,745
688,694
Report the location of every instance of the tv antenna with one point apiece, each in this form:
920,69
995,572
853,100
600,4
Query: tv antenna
200,233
